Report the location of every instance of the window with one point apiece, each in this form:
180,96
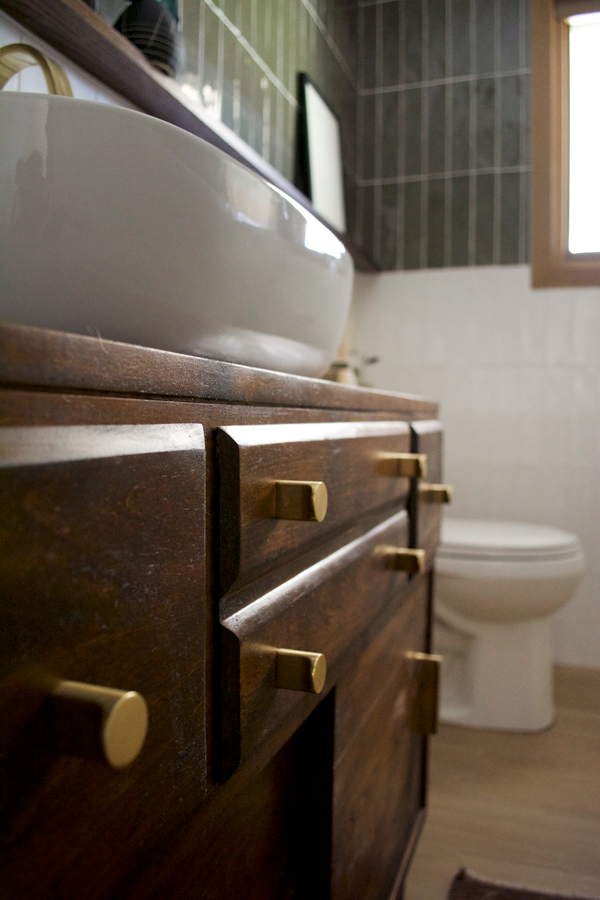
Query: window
565,226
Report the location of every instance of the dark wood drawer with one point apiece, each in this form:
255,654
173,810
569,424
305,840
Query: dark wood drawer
351,459
379,771
322,610
102,573
427,438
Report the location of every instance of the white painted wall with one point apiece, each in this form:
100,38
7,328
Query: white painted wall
517,374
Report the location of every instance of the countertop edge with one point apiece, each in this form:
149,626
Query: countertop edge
40,358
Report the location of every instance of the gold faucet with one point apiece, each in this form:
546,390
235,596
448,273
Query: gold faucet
14,57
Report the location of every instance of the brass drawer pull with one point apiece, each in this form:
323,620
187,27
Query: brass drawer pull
298,670
300,500
98,721
410,465
404,559
436,493
423,714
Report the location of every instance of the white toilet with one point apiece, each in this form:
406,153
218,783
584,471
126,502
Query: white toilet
496,584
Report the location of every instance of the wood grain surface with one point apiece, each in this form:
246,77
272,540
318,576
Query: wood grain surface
349,458
379,763
42,358
322,610
102,582
107,531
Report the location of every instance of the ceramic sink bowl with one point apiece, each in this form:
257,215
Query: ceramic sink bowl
117,224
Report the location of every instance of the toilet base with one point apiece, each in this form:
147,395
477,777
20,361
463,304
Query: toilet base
495,675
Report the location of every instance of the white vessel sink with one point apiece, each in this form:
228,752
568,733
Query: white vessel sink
117,224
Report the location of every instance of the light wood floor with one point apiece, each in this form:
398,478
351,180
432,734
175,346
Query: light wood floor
515,807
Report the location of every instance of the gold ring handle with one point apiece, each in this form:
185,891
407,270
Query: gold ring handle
14,57
95,721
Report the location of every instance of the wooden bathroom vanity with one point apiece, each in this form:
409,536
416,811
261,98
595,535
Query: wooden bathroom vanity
151,542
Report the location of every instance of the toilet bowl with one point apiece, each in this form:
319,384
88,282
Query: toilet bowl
496,585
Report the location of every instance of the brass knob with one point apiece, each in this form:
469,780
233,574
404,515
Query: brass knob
405,559
436,493
410,465
99,721
300,500
298,670
424,709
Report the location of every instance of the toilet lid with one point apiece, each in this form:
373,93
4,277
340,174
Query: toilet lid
484,539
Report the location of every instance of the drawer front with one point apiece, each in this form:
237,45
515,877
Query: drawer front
102,572
379,770
322,610
426,513
351,459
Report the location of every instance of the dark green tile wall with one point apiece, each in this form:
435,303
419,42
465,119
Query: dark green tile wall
443,132
432,96
242,58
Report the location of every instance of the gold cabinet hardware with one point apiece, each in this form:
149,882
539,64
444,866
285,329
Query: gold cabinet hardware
14,57
98,721
436,493
409,465
423,714
298,670
404,559
300,500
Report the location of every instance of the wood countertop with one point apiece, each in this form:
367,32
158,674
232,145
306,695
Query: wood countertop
41,358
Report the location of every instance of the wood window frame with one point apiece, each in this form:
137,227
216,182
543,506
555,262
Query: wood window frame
552,265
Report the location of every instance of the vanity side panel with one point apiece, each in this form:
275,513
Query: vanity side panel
427,438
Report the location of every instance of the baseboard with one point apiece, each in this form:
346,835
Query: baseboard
577,687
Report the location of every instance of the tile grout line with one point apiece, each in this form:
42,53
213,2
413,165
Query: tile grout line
253,23
280,109
407,179
471,245
437,82
523,181
378,149
360,123
220,68
251,51
400,190
374,2
448,158
292,64
201,29
424,236
497,211
237,87
331,43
